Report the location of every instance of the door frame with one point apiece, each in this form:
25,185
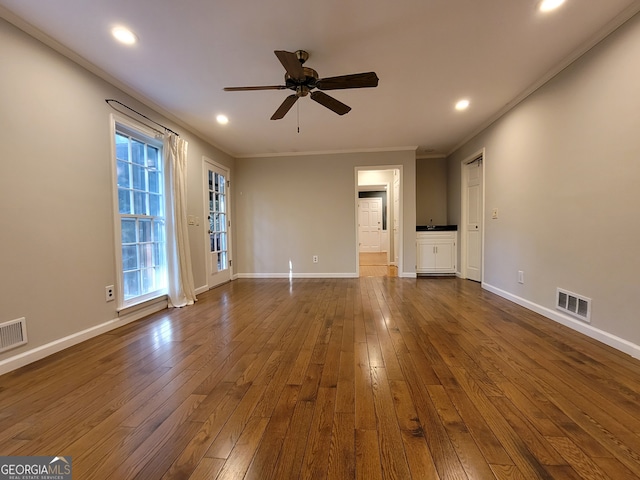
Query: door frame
465,214
356,189
206,163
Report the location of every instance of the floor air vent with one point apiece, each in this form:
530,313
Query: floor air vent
13,334
573,304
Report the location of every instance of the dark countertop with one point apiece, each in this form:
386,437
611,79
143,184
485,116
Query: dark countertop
436,228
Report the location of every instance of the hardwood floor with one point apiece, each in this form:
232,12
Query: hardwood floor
369,378
376,265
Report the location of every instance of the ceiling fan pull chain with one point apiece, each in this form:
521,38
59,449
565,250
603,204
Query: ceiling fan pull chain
298,111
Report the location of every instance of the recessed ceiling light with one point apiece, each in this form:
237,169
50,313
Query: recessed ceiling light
548,5
462,104
222,119
124,35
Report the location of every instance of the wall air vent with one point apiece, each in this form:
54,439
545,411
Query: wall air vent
13,334
574,304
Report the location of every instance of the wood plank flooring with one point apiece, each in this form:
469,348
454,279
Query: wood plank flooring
376,265
369,378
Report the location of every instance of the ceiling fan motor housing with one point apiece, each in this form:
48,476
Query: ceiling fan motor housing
310,79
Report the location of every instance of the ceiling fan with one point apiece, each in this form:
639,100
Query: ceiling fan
302,80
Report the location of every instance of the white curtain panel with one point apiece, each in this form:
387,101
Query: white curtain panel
180,274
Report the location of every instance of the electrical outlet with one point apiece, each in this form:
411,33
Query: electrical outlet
315,259
109,293
520,276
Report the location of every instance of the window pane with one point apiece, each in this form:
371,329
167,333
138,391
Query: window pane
152,158
131,284
123,175
137,152
154,182
138,178
148,284
140,203
155,205
128,227
144,231
158,231
124,201
221,204
210,180
129,257
146,255
122,147
158,254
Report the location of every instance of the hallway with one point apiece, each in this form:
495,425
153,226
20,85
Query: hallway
376,265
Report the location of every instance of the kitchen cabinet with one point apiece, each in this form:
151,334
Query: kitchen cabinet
436,252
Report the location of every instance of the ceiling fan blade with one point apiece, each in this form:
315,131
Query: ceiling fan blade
265,87
285,107
291,64
356,80
330,102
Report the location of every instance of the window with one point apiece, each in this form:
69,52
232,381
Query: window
140,217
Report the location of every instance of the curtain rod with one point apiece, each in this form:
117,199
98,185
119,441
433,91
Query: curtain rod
109,100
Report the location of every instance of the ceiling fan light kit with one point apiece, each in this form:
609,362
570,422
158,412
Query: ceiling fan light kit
304,80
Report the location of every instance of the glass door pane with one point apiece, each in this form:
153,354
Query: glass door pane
217,220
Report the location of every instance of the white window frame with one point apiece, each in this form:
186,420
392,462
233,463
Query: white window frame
154,138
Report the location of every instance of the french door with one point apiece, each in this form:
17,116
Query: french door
217,225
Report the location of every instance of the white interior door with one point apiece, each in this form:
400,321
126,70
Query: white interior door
473,175
217,226
370,224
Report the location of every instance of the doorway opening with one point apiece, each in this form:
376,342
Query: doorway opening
378,221
472,228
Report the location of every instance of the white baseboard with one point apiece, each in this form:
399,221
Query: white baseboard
202,289
37,353
584,328
297,275
407,275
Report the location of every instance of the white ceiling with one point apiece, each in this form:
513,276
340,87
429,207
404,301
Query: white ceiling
427,54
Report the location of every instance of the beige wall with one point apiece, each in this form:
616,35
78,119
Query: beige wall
57,241
563,169
431,191
290,208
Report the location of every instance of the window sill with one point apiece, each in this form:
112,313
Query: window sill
159,301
